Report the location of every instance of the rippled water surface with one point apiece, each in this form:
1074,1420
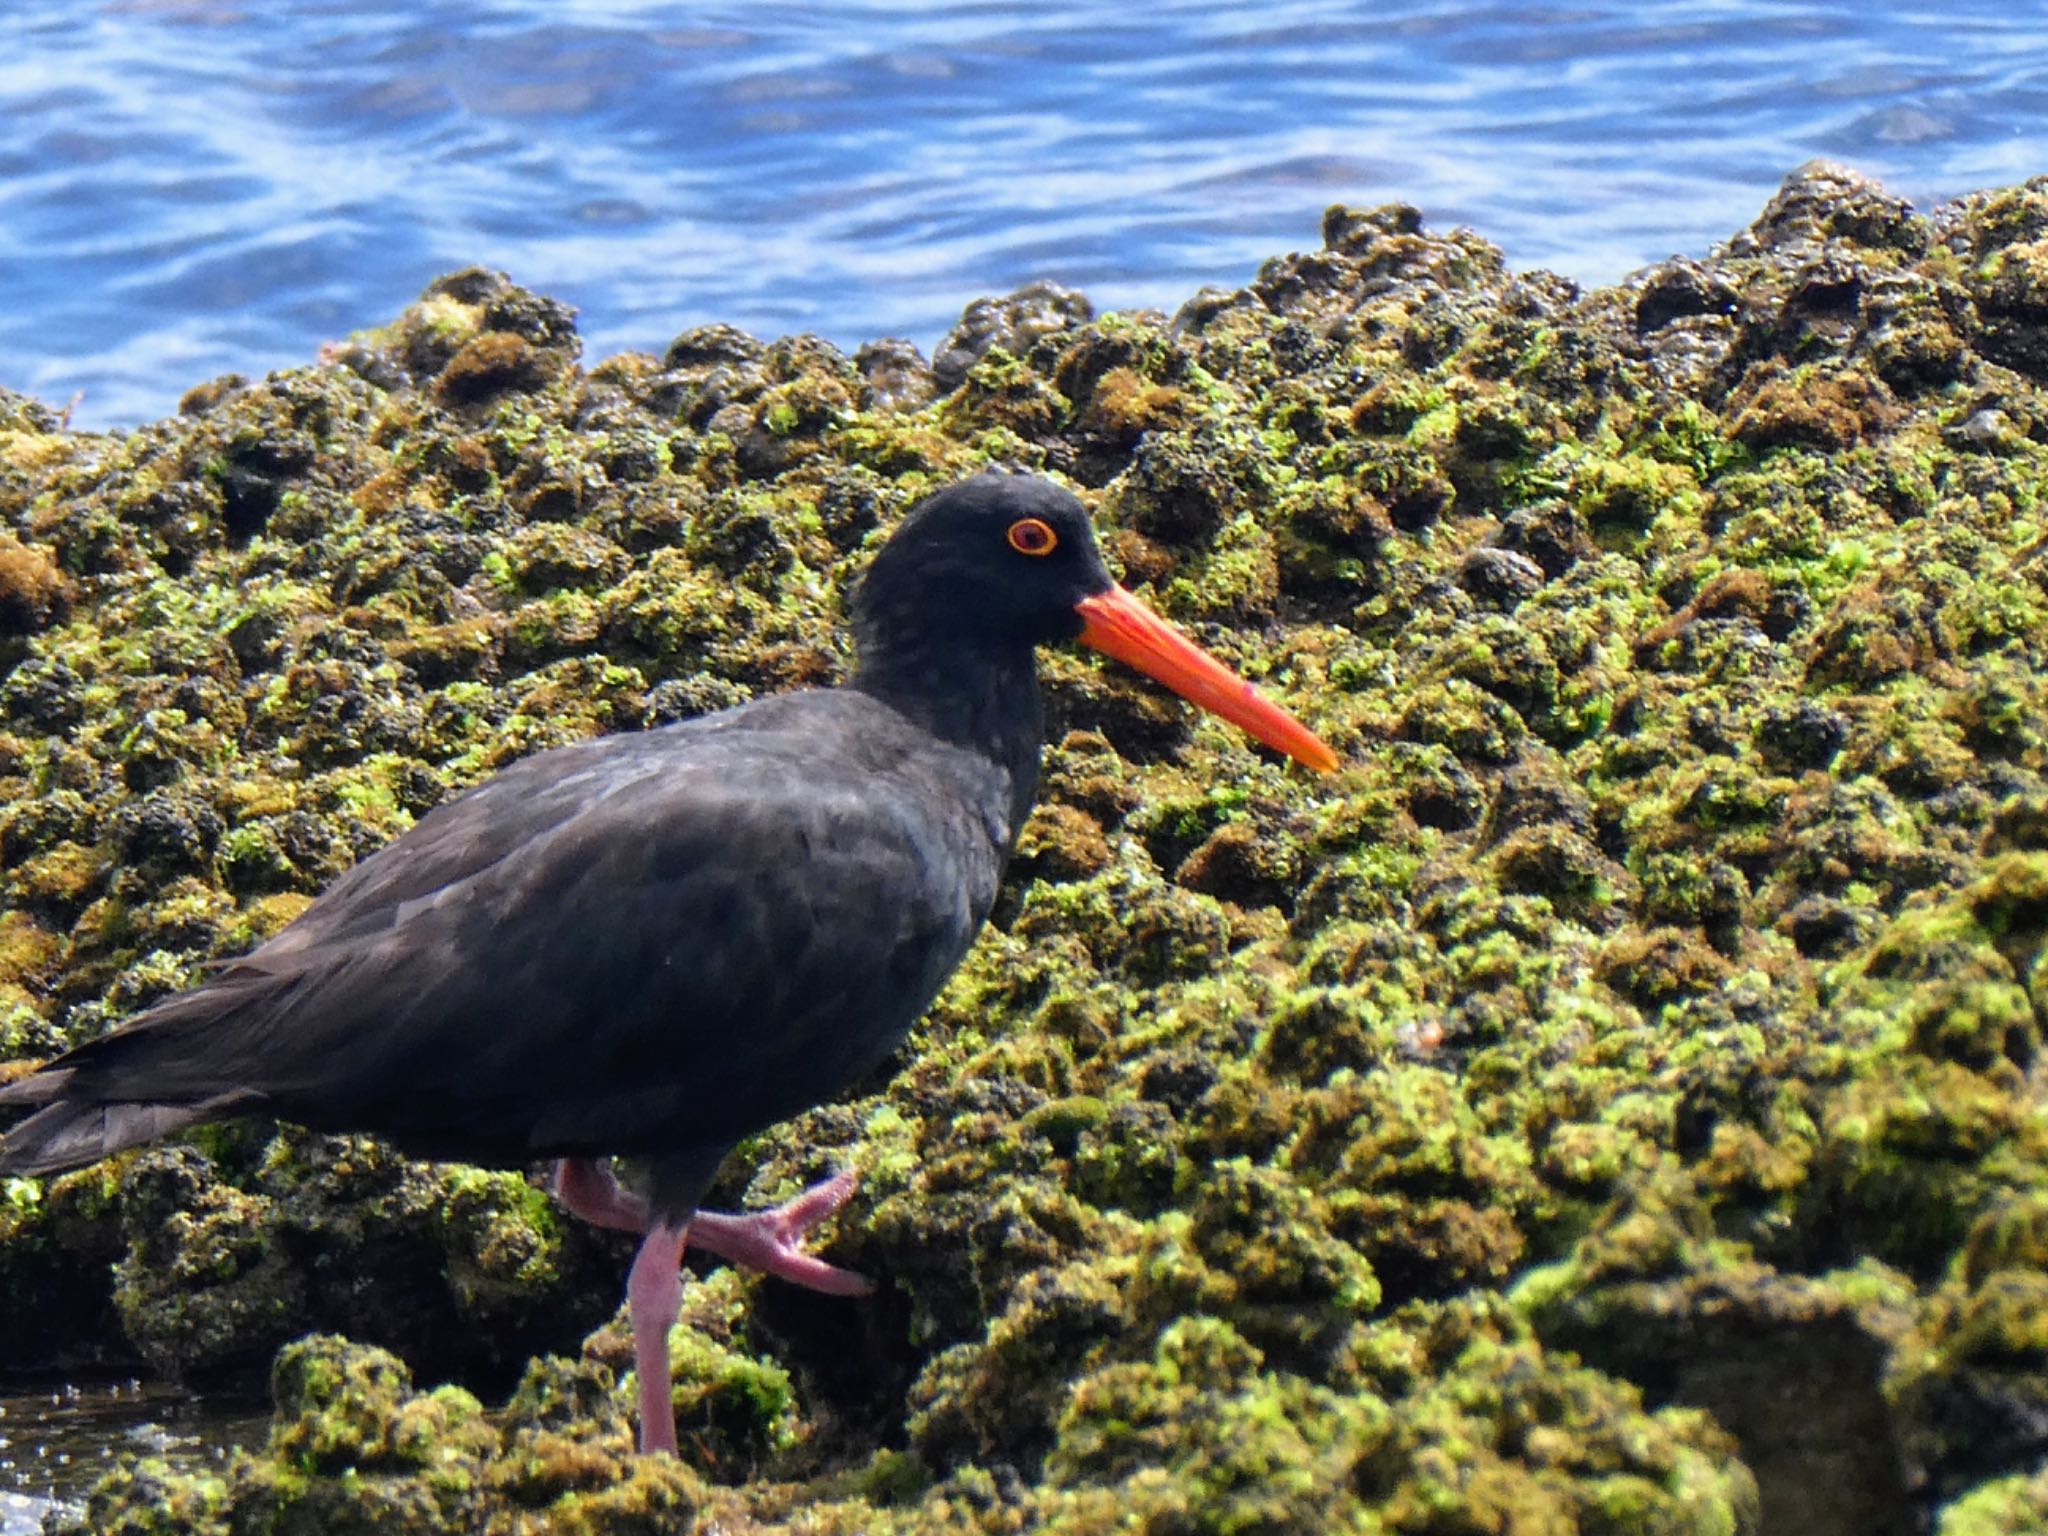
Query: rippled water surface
190,186
56,1442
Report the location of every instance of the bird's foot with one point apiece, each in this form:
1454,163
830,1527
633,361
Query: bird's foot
772,1241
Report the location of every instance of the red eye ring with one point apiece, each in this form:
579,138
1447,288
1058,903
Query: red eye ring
1032,536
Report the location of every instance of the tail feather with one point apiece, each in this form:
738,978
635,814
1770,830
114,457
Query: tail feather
67,1134
140,1082
43,1087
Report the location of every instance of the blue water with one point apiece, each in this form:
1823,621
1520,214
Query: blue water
193,186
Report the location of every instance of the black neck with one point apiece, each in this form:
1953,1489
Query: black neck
981,699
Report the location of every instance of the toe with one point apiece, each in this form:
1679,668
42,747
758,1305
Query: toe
819,1201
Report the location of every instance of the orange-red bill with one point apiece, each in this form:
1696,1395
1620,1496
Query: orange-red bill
1117,624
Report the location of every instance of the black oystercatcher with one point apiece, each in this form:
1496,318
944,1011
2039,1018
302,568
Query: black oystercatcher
655,945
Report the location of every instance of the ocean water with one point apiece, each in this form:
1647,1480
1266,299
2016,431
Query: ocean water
57,1442
194,186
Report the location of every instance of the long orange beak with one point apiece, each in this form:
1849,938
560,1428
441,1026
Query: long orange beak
1117,624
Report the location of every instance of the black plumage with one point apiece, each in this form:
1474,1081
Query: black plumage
574,959
657,944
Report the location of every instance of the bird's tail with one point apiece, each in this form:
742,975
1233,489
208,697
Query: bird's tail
119,1091
68,1133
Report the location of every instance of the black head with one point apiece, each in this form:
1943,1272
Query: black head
999,562
981,572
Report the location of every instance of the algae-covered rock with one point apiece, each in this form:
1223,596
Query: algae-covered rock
355,1449
1610,1103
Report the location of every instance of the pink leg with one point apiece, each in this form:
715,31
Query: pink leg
654,1294
586,1188
769,1241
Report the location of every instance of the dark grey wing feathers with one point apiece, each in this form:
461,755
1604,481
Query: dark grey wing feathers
637,944
464,837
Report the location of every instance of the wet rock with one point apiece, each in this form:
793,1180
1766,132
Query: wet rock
205,1291
1824,928
1500,576
898,378
1548,533
1060,842
1807,735
1680,289
1013,323
709,347
1824,201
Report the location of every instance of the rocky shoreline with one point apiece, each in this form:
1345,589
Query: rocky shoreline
1611,1104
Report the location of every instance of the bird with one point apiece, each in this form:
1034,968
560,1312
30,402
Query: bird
652,945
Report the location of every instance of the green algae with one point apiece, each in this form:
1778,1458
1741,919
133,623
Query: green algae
1607,1104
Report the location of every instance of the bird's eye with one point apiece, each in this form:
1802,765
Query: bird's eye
1033,536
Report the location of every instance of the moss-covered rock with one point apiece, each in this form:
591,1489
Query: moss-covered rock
1609,1103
